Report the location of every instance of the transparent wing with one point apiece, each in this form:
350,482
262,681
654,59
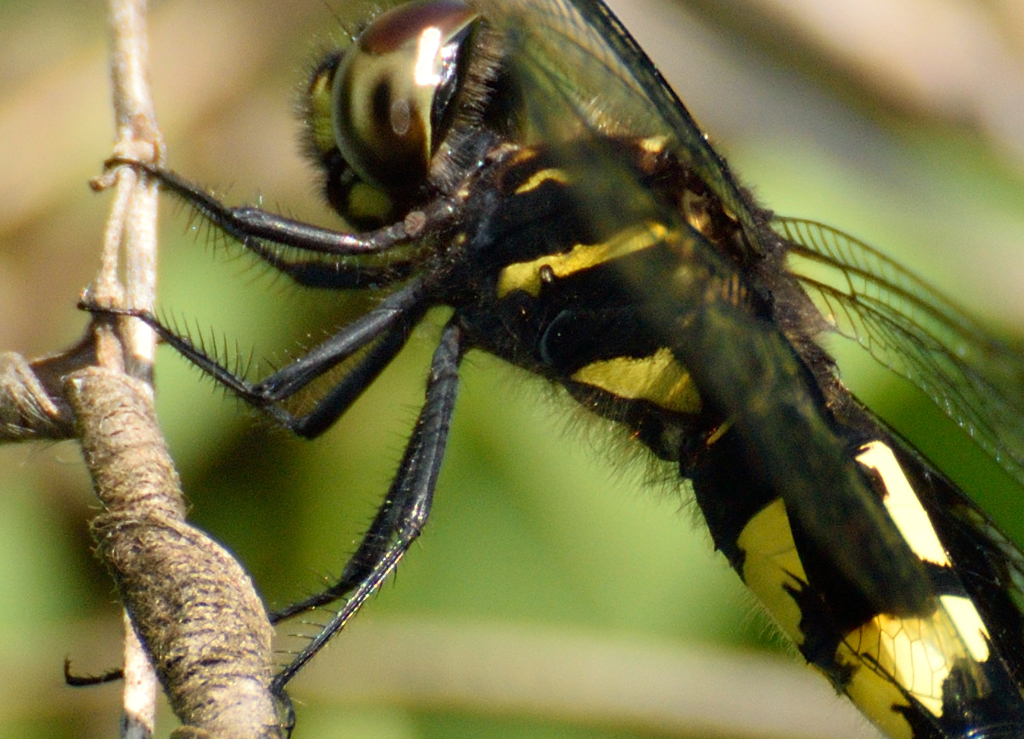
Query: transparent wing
578,56
588,76
905,325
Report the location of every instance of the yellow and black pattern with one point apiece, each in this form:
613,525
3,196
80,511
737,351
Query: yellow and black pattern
936,673
924,665
562,202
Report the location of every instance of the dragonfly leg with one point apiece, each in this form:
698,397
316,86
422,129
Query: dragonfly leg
405,509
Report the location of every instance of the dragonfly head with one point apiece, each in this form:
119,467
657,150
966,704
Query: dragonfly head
378,112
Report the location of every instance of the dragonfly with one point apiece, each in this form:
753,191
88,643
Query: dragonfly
525,165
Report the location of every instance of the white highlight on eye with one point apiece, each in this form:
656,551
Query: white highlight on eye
401,117
425,72
905,509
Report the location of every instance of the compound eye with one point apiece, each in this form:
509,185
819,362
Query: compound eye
393,92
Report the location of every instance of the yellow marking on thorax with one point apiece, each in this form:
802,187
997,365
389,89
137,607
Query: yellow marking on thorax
717,434
964,615
657,378
904,508
878,698
915,654
771,564
654,144
695,209
526,276
552,174
890,657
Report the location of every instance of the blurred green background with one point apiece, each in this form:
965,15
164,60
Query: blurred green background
553,594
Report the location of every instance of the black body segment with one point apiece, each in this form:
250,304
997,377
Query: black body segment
577,223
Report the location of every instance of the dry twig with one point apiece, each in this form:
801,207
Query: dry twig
194,620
